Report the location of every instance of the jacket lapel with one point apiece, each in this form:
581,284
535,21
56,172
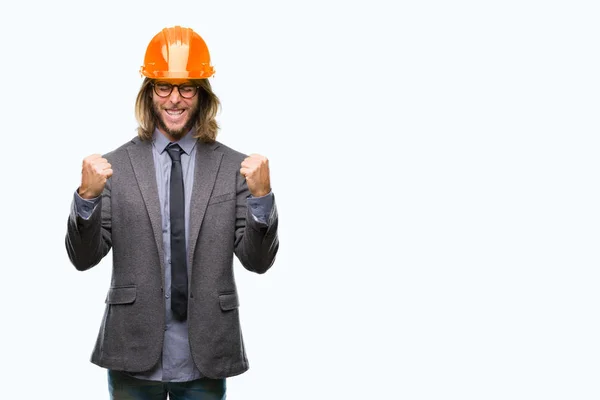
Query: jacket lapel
144,170
205,174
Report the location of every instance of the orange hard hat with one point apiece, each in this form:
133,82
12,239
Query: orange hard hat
177,53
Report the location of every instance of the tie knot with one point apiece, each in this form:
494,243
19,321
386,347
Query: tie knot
174,151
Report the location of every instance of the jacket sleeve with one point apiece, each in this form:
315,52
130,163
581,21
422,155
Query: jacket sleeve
256,243
89,240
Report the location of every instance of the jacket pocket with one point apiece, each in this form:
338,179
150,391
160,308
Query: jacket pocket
229,301
121,295
221,198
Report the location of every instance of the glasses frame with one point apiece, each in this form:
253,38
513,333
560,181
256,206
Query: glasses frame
173,86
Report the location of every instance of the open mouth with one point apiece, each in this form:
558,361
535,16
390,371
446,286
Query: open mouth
174,115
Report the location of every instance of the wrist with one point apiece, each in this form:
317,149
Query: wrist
261,193
85,194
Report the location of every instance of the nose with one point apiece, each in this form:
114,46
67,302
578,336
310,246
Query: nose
175,97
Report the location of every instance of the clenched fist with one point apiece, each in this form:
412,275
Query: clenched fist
94,173
255,168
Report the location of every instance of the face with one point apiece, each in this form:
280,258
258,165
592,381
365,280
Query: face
174,114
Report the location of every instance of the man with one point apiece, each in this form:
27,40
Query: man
174,205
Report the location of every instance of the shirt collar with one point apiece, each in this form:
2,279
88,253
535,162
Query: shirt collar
161,142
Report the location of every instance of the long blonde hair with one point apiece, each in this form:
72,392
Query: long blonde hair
205,126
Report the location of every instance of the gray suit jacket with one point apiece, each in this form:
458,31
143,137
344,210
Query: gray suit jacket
128,220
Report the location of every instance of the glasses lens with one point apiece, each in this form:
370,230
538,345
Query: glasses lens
163,89
187,91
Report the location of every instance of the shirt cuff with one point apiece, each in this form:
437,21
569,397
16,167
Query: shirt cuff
260,207
85,207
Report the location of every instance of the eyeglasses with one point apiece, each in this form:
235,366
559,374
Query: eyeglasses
164,89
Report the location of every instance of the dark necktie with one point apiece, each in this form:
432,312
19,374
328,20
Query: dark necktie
179,278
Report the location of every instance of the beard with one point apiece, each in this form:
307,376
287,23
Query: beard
175,133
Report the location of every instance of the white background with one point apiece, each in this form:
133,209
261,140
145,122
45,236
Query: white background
435,165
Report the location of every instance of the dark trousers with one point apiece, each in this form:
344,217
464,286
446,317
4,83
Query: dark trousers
122,386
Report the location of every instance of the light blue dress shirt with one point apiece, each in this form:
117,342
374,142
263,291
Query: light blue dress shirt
176,364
